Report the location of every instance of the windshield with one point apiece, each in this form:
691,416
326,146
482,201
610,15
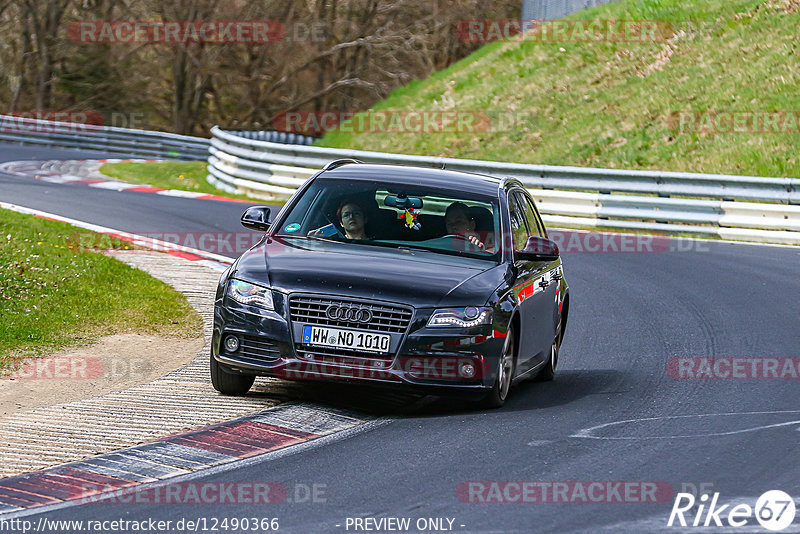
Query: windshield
384,214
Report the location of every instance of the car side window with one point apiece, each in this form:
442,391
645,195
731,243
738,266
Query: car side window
535,226
541,222
519,231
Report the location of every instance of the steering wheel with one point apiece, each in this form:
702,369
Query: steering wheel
479,245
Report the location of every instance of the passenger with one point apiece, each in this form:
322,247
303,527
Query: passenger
353,219
458,221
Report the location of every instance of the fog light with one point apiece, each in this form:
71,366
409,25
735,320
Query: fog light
467,370
232,343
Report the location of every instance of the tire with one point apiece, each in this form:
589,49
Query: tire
505,372
229,383
549,371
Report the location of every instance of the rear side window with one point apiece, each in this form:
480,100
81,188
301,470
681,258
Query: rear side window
519,231
535,226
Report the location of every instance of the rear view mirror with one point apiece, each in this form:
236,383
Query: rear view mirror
538,249
256,218
403,202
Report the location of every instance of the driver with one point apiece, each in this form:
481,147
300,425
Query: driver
353,219
458,221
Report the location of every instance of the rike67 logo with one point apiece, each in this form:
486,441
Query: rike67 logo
774,510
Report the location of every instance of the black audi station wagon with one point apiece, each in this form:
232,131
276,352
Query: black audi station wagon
424,278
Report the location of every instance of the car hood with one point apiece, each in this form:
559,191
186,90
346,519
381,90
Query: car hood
418,278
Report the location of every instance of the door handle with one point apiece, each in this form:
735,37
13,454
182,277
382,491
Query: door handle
543,283
557,276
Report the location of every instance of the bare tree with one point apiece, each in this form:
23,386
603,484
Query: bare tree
336,55
41,24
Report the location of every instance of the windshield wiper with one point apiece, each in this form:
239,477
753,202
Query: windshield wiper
330,239
309,237
418,249
403,246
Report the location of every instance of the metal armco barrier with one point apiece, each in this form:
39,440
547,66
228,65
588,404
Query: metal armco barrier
555,9
272,136
123,141
730,207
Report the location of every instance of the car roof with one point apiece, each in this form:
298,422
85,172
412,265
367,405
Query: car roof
407,175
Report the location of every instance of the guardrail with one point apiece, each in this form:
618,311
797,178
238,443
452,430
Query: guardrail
556,9
727,206
109,139
262,164
273,136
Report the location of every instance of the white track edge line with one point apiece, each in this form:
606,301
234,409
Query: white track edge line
158,245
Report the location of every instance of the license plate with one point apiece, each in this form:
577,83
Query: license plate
324,336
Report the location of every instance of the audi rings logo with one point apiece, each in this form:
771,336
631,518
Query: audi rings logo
350,314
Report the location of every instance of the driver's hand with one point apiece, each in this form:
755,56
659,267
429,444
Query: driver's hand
477,242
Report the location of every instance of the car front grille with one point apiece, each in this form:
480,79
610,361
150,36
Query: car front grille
385,318
258,347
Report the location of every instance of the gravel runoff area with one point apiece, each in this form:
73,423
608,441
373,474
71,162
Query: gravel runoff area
181,400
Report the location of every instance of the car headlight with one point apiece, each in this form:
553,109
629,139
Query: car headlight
461,317
250,294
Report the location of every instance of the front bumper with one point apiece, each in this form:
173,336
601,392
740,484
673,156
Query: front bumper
430,358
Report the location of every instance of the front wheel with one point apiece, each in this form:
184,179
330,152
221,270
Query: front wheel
229,383
549,371
505,372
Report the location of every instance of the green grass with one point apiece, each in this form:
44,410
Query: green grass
606,104
55,294
182,175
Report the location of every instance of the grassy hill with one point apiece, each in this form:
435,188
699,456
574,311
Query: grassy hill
55,293
612,104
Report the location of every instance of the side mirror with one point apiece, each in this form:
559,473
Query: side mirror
256,218
538,249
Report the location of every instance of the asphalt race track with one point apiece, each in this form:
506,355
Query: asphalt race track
129,213
630,314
